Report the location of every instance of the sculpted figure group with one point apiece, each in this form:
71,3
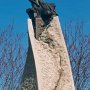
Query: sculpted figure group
45,10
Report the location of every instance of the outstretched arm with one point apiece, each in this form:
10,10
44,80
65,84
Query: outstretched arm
34,2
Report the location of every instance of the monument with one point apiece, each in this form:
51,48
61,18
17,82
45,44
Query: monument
47,65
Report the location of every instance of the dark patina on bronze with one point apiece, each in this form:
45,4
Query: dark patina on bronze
41,9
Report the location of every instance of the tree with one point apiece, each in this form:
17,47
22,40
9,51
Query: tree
12,58
78,45
13,55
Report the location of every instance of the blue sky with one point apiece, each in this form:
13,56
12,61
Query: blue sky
14,11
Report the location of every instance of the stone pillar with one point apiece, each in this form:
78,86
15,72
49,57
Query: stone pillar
49,52
51,57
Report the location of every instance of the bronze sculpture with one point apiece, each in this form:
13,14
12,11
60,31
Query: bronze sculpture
41,9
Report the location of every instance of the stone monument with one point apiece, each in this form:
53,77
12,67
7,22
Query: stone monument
47,65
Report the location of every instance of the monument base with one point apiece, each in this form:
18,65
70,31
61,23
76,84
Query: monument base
51,58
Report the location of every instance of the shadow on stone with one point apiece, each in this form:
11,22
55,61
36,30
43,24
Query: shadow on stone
29,78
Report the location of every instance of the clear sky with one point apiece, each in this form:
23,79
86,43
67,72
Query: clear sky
14,10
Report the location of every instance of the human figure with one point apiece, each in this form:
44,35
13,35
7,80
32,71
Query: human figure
45,10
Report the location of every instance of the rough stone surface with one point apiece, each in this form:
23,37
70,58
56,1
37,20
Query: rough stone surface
29,78
51,58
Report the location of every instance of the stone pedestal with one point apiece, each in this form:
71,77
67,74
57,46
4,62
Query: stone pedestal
49,52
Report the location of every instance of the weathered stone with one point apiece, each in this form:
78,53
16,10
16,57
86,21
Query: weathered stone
51,58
